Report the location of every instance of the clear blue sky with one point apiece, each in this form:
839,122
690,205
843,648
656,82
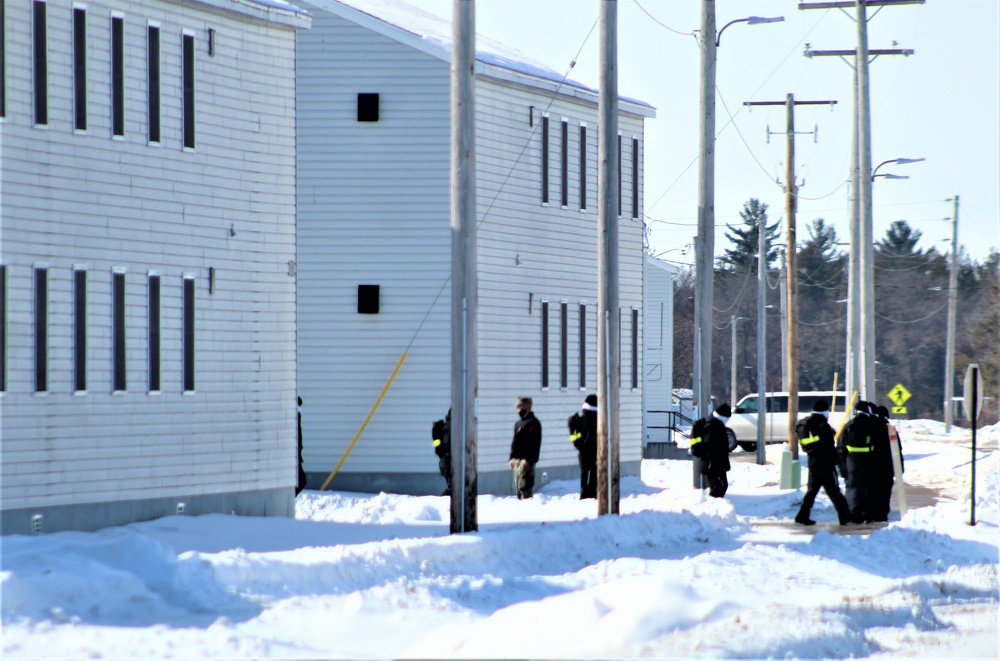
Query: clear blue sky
940,104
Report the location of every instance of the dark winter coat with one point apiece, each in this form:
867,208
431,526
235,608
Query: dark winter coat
715,454
527,443
583,434
816,439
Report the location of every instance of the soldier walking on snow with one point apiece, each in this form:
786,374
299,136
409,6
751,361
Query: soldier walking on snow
816,437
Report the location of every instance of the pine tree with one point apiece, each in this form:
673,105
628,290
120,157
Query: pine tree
744,239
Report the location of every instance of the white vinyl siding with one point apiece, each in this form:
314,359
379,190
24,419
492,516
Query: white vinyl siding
72,198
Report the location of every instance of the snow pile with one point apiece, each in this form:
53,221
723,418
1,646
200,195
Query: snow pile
676,575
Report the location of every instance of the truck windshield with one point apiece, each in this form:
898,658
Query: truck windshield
748,405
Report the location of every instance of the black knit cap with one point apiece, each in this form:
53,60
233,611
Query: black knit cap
821,406
591,400
724,411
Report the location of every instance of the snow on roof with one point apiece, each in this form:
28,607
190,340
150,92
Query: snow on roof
436,32
279,4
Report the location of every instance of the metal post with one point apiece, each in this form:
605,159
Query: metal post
732,367
704,264
791,272
608,345
867,283
464,283
949,358
853,366
783,309
761,341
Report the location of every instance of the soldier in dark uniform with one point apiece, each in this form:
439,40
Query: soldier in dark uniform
583,435
816,437
525,448
441,433
710,443
883,476
856,464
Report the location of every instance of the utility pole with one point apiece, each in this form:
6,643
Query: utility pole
732,367
761,339
464,278
608,344
791,258
949,359
705,253
782,308
860,371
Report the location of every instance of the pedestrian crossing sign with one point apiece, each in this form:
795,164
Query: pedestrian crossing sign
899,394
899,410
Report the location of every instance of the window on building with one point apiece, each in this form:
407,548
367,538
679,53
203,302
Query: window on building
117,76
545,345
118,372
619,175
635,177
564,345
79,69
583,167
41,330
153,81
154,333
583,345
368,107
545,160
188,75
564,164
188,330
80,330
635,348
3,325
3,60
40,53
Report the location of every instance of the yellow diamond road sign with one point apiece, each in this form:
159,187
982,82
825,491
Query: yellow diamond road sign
899,394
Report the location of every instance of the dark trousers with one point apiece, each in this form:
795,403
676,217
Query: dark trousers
825,478
718,483
859,491
588,481
444,466
880,491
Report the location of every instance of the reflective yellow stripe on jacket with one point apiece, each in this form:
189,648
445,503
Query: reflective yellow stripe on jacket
437,442
575,437
811,438
696,439
851,448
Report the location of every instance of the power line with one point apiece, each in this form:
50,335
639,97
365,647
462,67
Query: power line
662,25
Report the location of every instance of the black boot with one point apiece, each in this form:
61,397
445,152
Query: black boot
804,519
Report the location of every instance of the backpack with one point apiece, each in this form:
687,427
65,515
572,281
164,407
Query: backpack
807,441
699,440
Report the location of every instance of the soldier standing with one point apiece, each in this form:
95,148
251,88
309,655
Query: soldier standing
816,437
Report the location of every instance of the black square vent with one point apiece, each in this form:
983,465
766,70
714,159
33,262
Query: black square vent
367,107
368,299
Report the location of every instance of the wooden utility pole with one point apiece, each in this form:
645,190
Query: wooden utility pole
791,259
949,357
608,343
464,279
861,288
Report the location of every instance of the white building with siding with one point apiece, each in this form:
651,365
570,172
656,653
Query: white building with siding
147,234
657,349
374,230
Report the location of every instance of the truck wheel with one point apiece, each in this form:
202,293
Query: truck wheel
748,447
731,437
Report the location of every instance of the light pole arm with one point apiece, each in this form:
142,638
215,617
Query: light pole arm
751,20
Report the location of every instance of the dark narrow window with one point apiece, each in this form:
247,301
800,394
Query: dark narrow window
153,81
117,76
564,169
189,91
545,160
564,344
367,107
635,348
3,61
545,344
80,69
635,177
118,332
41,64
3,325
154,333
41,330
188,329
619,176
583,345
79,330
583,167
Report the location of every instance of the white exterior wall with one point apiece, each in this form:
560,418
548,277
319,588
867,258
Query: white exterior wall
374,209
658,349
82,198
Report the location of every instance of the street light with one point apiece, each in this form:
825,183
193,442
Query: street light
897,161
704,248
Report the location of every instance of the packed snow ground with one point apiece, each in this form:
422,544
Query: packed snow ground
675,576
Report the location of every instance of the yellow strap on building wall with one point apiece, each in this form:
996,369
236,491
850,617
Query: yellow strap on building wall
365,423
